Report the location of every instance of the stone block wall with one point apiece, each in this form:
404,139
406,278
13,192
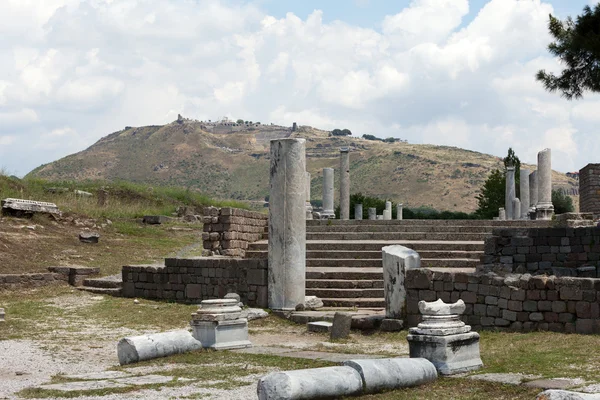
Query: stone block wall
73,275
589,189
551,251
227,231
519,303
191,280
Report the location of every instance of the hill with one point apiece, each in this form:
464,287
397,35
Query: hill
232,161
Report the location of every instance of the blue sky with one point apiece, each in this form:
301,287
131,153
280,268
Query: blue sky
448,72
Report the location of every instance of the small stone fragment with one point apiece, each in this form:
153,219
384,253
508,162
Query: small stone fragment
319,326
340,328
89,237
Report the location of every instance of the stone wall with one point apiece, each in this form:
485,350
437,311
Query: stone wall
551,251
519,303
191,280
73,275
227,231
589,189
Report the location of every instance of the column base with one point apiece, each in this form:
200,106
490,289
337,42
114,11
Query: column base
222,335
544,212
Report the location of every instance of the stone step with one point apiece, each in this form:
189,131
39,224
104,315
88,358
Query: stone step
377,245
107,282
396,236
336,293
399,228
344,283
116,292
344,273
374,263
361,302
359,255
437,222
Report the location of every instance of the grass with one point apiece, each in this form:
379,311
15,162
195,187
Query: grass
125,200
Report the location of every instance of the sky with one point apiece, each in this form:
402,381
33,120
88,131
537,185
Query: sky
448,72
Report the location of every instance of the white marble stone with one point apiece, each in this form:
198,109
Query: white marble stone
387,213
344,183
396,261
328,382
217,310
312,302
358,211
393,373
372,214
544,207
399,211
438,307
2,315
309,207
501,214
287,224
524,192
509,192
444,339
222,335
533,192
553,394
517,208
147,347
328,191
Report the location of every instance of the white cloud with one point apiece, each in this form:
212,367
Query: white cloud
76,71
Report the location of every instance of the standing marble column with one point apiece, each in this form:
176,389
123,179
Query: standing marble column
328,210
510,192
358,211
533,193
399,211
287,224
524,189
544,207
372,214
309,208
344,183
387,213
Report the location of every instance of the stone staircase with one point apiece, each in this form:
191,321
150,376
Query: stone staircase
109,285
343,258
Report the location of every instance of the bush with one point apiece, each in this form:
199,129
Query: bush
371,137
561,202
341,132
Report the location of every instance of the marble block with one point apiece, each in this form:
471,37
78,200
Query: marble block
222,335
444,339
217,325
452,354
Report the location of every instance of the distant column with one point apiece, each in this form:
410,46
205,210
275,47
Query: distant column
387,213
372,214
544,208
533,192
399,211
358,211
309,209
509,192
344,183
524,190
287,224
501,214
517,208
328,191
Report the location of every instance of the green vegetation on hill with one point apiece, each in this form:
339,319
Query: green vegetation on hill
126,199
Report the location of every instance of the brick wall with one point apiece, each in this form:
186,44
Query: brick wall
227,231
553,251
589,189
519,303
192,280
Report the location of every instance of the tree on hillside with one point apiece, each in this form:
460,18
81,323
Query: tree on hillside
341,132
492,195
577,45
239,121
